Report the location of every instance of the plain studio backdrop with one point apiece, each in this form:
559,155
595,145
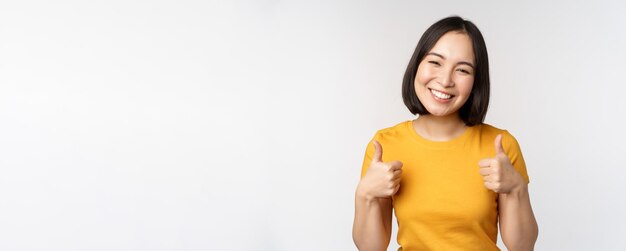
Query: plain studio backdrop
194,125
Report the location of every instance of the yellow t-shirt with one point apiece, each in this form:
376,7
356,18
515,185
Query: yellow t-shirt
442,203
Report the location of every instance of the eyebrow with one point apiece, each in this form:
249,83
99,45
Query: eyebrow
441,56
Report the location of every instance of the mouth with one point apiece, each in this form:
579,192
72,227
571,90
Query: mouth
441,95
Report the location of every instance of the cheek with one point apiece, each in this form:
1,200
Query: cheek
423,75
465,85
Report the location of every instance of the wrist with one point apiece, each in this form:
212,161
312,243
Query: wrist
518,190
362,194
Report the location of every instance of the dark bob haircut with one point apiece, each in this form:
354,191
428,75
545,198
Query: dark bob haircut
474,110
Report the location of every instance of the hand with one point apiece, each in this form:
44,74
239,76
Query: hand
382,180
498,173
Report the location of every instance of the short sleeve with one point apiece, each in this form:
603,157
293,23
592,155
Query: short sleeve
369,153
513,150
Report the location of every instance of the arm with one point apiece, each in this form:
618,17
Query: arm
372,222
373,201
517,221
506,175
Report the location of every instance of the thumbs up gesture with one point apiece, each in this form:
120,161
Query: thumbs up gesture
382,179
498,172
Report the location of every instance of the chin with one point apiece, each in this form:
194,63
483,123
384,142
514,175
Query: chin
439,113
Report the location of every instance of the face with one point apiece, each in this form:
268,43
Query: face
445,76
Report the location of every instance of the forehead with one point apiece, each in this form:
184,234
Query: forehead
456,46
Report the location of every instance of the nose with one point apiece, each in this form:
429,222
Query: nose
445,78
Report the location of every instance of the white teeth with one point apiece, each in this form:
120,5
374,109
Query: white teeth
440,95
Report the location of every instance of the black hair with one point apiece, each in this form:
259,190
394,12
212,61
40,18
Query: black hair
474,110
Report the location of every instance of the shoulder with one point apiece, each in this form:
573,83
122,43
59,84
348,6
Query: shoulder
393,131
489,132
387,137
487,129
492,131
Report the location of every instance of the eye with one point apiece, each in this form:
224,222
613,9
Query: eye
434,62
464,71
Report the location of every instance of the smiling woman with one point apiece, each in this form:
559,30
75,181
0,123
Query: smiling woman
450,46
449,177
448,65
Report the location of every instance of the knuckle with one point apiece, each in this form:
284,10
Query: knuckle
389,167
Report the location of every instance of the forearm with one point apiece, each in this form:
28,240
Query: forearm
368,231
517,221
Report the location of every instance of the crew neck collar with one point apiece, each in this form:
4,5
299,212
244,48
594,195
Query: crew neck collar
453,143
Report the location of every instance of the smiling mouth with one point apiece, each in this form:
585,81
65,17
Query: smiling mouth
441,95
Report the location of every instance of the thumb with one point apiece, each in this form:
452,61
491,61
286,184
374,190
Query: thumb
498,144
378,152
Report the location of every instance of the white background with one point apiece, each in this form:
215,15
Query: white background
195,125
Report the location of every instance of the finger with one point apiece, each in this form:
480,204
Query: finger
396,182
490,186
486,171
491,178
397,174
498,144
396,188
395,165
378,152
485,162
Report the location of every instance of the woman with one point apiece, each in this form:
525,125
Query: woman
449,177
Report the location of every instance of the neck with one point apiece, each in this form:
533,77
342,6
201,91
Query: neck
439,128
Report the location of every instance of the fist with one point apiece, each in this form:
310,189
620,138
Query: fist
498,172
382,179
